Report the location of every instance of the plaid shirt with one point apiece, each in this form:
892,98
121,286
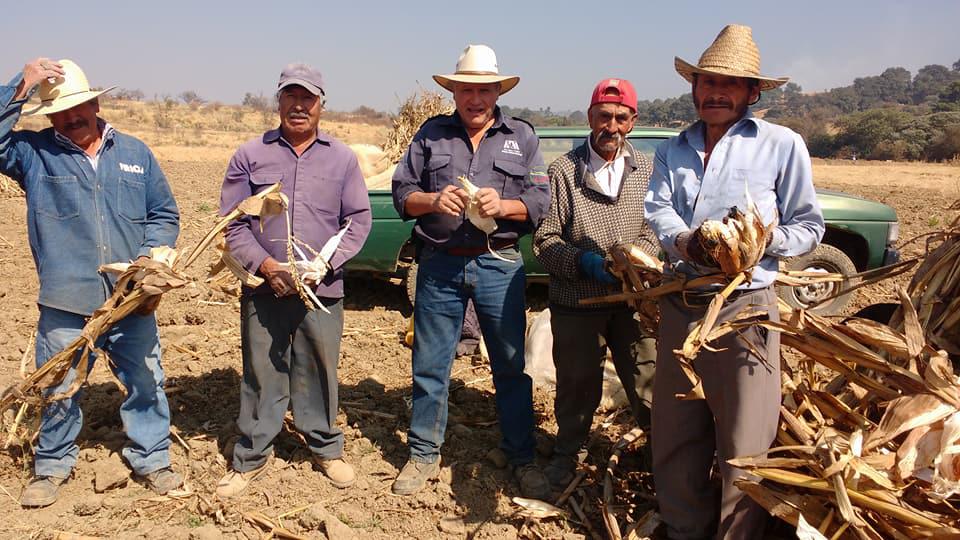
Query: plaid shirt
582,217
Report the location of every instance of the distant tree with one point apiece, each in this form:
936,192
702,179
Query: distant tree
128,94
949,98
956,65
930,80
257,102
864,131
892,86
191,98
577,118
946,145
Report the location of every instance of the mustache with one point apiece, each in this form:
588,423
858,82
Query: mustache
78,123
716,103
298,115
612,137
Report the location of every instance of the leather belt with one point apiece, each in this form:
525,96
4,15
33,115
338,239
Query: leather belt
472,251
703,298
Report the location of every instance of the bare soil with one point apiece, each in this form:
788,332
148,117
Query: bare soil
200,334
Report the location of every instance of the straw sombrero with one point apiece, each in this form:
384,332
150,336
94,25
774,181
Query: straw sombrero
478,64
733,53
65,92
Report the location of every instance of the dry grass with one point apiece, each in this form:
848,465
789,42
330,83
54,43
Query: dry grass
943,177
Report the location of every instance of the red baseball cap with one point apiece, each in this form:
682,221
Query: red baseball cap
625,94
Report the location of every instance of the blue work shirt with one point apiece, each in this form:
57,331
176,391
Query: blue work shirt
507,159
78,217
772,160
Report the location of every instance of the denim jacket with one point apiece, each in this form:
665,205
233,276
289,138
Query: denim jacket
79,218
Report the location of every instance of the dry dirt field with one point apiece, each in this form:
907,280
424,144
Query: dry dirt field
201,342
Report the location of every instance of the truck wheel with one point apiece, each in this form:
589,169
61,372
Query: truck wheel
410,282
827,259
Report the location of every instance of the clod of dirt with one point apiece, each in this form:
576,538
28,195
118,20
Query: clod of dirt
499,531
446,475
497,457
461,430
312,518
109,473
452,525
206,532
336,529
88,506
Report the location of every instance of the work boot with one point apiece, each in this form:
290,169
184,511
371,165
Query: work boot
234,482
533,483
414,477
41,491
162,481
339,472
560,471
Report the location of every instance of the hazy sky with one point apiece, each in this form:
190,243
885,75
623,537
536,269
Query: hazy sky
376,53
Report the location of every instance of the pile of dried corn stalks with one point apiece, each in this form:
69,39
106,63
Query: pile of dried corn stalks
869,444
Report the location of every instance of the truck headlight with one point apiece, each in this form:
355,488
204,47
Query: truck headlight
893,233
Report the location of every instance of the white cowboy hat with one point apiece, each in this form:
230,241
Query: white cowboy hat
734,54
65,92
477,64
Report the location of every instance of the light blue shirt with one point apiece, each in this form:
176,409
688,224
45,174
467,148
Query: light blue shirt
771,160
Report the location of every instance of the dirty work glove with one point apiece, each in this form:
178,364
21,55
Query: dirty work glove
592,266
690,248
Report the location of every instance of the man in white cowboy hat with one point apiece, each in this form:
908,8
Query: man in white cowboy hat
94,196
700,175
459,261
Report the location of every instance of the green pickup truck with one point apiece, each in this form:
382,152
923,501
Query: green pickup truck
860,233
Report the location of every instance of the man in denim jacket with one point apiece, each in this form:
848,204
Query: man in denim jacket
94,196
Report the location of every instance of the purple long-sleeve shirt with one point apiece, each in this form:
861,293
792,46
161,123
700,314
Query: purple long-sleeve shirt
325,189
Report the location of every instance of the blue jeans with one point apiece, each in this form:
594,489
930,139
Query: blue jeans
134,349
444,284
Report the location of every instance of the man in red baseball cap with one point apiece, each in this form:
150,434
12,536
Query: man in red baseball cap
597,192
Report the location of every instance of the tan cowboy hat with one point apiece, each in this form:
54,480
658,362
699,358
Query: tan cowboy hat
478,64
65,92
733,53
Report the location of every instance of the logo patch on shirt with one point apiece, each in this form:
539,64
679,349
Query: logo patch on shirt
511,147
136,169
538,175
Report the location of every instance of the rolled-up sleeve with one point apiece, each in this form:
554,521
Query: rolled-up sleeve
536,193
406,179
163,217
557,256
658,205
355,207
242,243
15,154
801,221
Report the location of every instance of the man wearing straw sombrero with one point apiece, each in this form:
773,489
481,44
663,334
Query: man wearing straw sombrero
94,196
459,260
700,175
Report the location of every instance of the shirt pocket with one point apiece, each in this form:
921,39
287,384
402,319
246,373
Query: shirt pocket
763,192
262,180
58,197
439,171
132,200
512,174
323,196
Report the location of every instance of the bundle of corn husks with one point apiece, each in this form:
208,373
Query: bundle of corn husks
736,243
638,272
935,291
378,164
136,285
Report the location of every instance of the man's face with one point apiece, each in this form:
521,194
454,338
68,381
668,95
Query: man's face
722,100
78,123
610,123
475,102
299,111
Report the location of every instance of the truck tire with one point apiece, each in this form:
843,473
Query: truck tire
827,259
410,283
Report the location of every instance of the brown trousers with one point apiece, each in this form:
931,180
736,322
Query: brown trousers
738,418
579,354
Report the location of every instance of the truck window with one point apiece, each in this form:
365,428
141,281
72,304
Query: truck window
554,147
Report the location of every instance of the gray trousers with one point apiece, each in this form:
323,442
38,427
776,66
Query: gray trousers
290,356
579,353
739,417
